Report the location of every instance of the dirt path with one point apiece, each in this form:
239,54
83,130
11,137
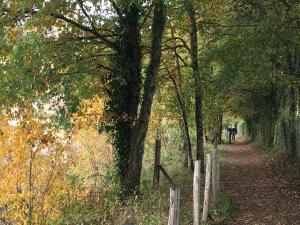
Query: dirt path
263,191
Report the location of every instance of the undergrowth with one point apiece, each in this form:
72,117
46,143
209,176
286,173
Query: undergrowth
153,206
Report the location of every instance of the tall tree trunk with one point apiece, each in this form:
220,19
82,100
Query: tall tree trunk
292,121
218,130
125,94
131,128
197,78
220,120
158,27
187,145
186,126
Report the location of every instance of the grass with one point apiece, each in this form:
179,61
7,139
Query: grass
153,207
222,211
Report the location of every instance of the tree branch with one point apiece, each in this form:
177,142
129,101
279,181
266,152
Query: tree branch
180,39
86,14
108,42
146,17
117,9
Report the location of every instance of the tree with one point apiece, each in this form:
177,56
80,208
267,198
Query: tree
253,82
102,38
196,73
33,164
130,130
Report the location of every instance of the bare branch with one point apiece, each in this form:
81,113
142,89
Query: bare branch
167,47
182,60
108,42
146,17
180,39
86,14
117,9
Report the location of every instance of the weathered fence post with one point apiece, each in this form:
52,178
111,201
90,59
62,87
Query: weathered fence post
207,188
156,173
196,192
215,176
174,213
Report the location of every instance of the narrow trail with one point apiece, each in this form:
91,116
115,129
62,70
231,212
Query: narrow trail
263,191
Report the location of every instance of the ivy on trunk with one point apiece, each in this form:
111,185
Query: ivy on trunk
130,110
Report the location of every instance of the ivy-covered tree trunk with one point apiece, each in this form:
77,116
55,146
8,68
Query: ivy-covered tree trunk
125,95
130,125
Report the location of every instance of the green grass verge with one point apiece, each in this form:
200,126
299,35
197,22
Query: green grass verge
153,207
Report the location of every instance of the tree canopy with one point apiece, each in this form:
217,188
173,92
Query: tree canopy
133,71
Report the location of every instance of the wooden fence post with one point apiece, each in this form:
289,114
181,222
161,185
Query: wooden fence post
156,173
196,192
207,188
174,213
215,177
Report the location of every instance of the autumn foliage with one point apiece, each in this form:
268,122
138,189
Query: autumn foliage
45,172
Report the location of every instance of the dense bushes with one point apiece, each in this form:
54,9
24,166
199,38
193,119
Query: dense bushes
276,124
